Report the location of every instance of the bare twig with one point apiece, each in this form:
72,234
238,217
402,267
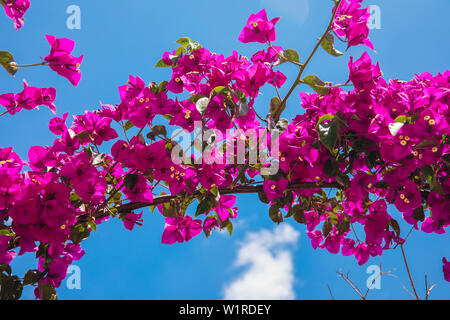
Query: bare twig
409,273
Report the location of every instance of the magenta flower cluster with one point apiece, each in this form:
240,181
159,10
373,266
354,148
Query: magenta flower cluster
16,9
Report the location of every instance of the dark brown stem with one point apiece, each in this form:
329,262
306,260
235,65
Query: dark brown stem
128,207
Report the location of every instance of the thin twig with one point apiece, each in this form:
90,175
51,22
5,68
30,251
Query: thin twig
409,273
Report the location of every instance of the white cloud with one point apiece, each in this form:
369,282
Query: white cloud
270,274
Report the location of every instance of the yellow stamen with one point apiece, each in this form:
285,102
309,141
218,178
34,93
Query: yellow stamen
434,149
431,122
403,143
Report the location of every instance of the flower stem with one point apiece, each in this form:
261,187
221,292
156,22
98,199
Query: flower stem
409,273
30,65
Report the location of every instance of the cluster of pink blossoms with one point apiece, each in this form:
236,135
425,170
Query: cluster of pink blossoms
59,60
16,9
30,98
351,23
382,143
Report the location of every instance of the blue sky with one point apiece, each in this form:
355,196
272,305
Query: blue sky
119,38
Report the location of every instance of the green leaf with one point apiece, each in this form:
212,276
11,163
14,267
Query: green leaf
205,206
92,225
79,233
325,117
395,226
31,277
331,167
275,103
128,125
328,45
275,214
184,41
402,119
156,131
229,228
130,180
161,64
5,268
316,84
334,218
419,214
291,55
11,288
220,89
327,227
344,226
47,292
436,186
8,62
299,214
263,197
6,232
329,134
287,55
170,209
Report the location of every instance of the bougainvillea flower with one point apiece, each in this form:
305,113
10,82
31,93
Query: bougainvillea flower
226,202
361,253
259,28
57,125
351,23
5,255
275,189
29,98
180,229
446,269
16,9
131,219
61,60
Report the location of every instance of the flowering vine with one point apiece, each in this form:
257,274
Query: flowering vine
341,163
